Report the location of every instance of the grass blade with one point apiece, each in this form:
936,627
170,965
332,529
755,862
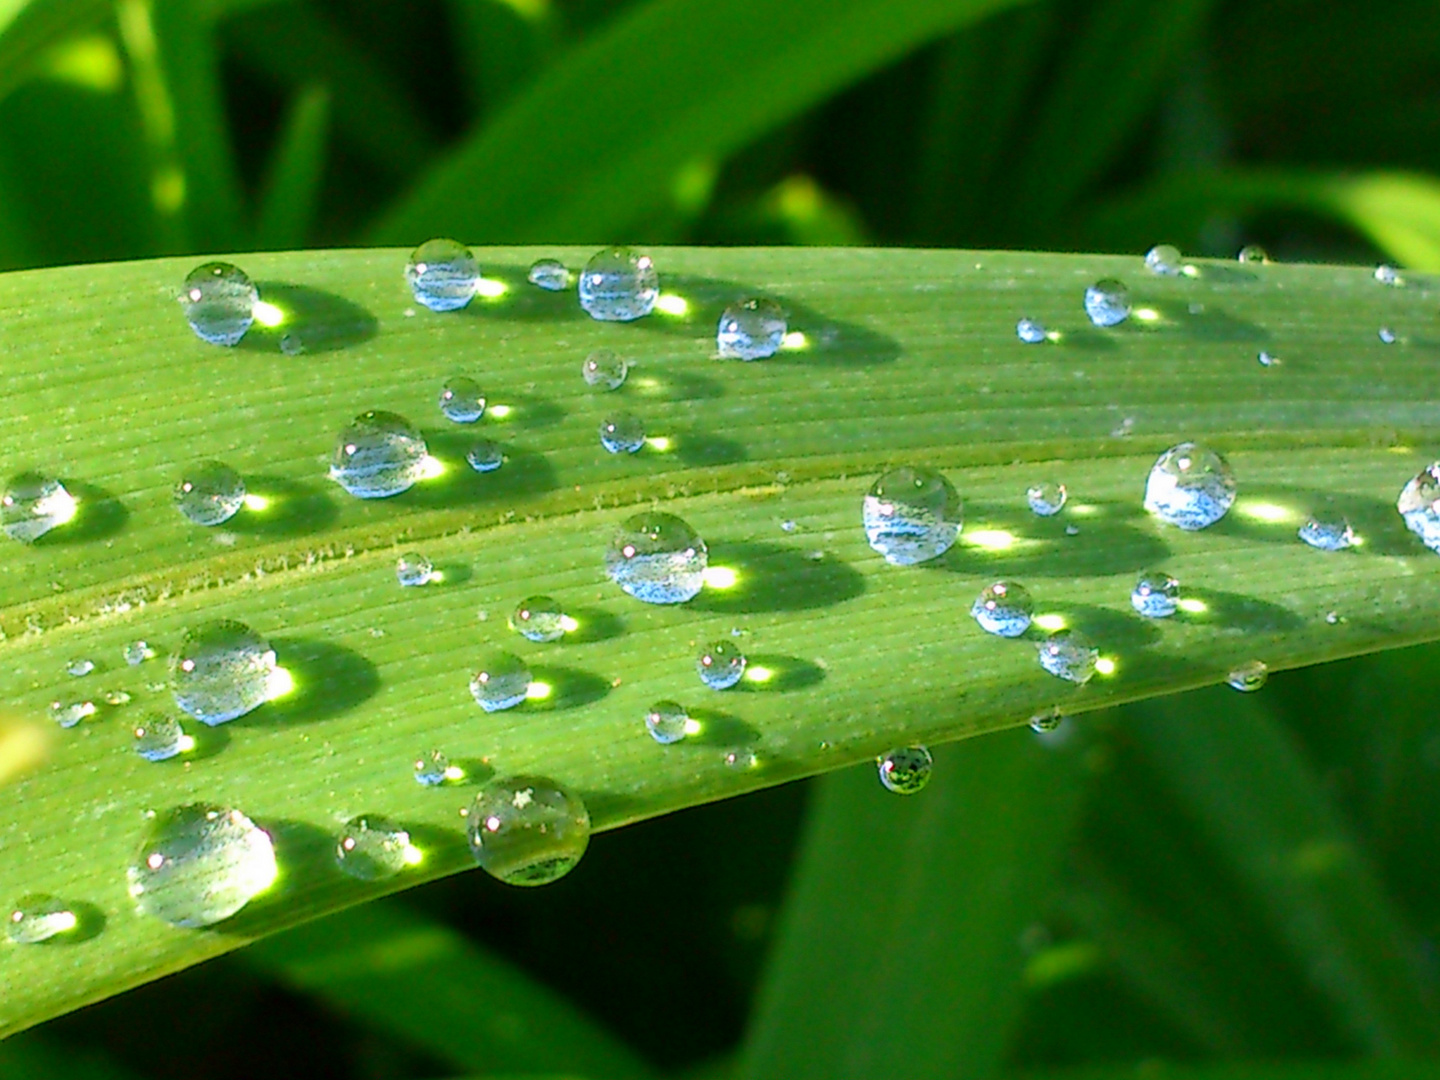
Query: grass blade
31,28
292,188
1263,1070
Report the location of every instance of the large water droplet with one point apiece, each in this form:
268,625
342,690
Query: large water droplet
549,274
618,285
443,275
1249,676
219,302
462,400
500,682
1253,253
912,514
906,769
379,455
1190,486
1327,531
373,848
657,558
1156,595
528,830
1107,302
69,713
720,665
209,493
1164,259
413,569
603,370
485,456
1004,608
539,618
1068,654
222,670
750,329
1030,331
161,738
39,917
1046,498
201,864
666,722
1419,505
33,505
623,433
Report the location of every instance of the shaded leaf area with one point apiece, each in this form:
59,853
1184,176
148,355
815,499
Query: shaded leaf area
911,357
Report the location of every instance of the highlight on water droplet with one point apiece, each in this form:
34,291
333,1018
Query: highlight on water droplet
1107,302
222,670
539,618
527,830
657,558
906,769
160,737
1068,654
1156,595
1046,498
39,917
1030,331
1249,676
1328,531
379,455
219,300
200,864
750,329
443,275
1164,259
912,514
618,285
667,722
550,275
603,370
720,665
1253,253
623,433
1004,608
1419,505
501,681
209,493
374,848
33,505
1190,486
69,713
485,456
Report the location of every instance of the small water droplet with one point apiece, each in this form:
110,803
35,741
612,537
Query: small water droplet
443,275
657,558
39,917
160,737
1072,530
500,682
1156,595
292,344
434,769
1164,259
1004,608
550,275
1328,531
1419,505
33,505
740,758
1388,275
1030,331
69,713
788,526
750,329
603,370
912,514
906,769
1046,722
1046,498
1249,676
200,864
623,433
1333,618
1387,335
80,667
485,456
666,722
720,665
1190,486
373,848
619,285
1253,253
379,455
1068,654
413,569
209,493
1268,359
219,302
221,671
137,652
117,697
539,618
1107,302
528,830
461,399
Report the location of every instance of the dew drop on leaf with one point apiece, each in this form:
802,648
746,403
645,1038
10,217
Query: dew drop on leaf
373,848
720,665
1107,302
379,455
666,722
443,275
539,618
657,558
623,433
1068,654
750,329
1190,486
1156,595
413,569
221,671
219,300
501,681
906,769
527,830
619,285
603,370
462,400
39,917
549,274
33,505
209,493
912,514
200,864
1004,608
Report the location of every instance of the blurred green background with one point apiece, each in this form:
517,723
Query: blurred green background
1243,885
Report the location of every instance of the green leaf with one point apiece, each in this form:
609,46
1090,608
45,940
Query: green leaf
292,189
1261,1070
911,357
30,28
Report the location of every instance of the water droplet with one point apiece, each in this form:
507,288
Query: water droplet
1249,676
912,514
1046,499
618,285
1004,608
461,400
80,667
905,770
1327,531
1068,654
1190,486
443,275
528,830
1253,253
292,344
720,665
1388,275
201,864
1030,331
373,848
604,370
1387,335
379,455
412,569
219,302
209,493
1045,722
1156,595
539,618
485,456
750,329
137,652
33,505
1107,302
117,697
549,274
500,682
622,434
69,713
1268,359
740,758
666,722
39,917
1164,259
222,670
160,738
657,558
1419,505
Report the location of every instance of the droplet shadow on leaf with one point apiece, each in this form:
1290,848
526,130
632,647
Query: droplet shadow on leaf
1237,612
527,412
784,673
697,448
524,302
1012,543
293,508
524,473
305,854
720,729
442,847
329,681
1376,522
1107,629
770,577
98,516
594,624
315,321
569,688
662,383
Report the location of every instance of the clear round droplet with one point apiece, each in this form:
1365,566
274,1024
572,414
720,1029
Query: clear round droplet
1107,302
462,400
1388,275
1268,359
33,505
500,682
539,618
906,769
39,917
1030,331
750,329
528,830
379,455
219,302
443,275
1164,259
160,737
69,713
222,670
1419,505
373,848
1190,486
720,665
434,769
1046,498
80,667
137,652
549,274
666,722
1387,335
1327,531
209,493
623,433
1249,676
619,285
657,558
603,370
912,514
1156,595
1068,654
1004,608
201,864
1253,253
485,456
1046,722
413,569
